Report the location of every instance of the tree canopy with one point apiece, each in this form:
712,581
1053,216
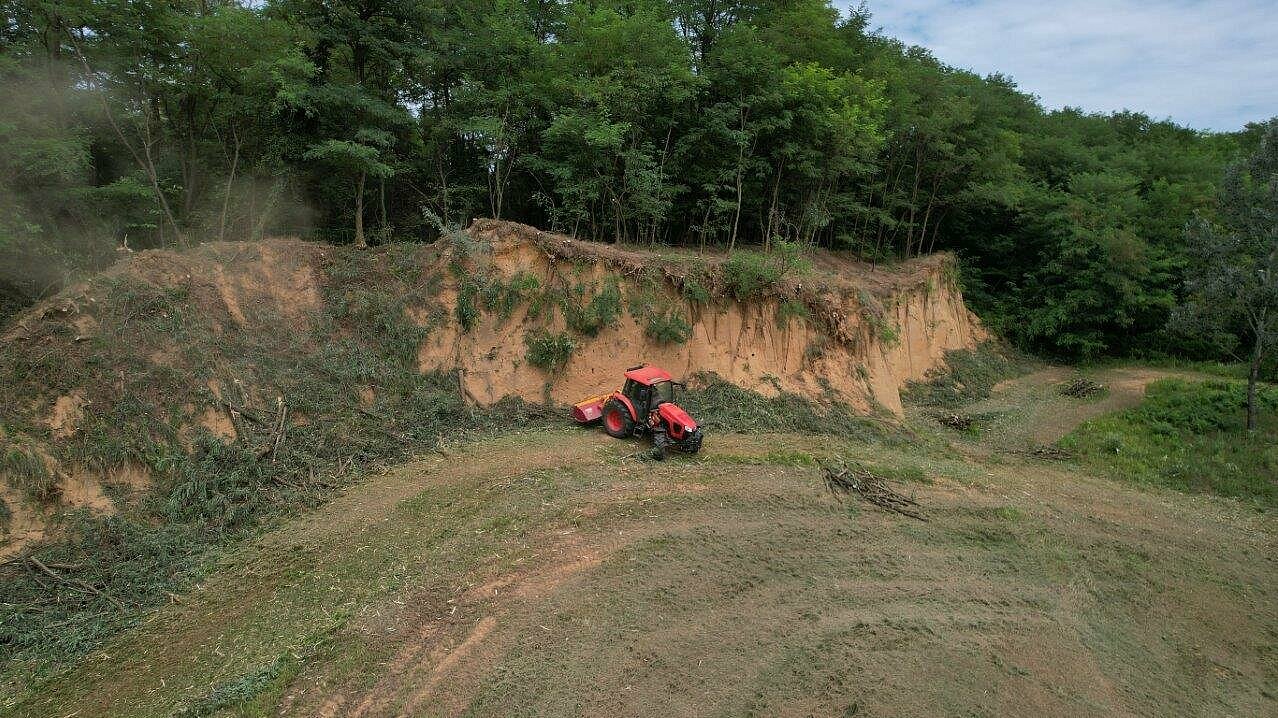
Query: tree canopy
690,122
1232,289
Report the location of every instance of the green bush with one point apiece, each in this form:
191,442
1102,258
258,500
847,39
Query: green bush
1189,436
467,311
668,328
792,309
546,351
603,310
695,292
748,275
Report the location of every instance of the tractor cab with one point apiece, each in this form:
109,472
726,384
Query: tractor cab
647,388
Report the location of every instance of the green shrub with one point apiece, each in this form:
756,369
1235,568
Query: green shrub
521,289
816,349
546,351
695,292
1189,436
467,311
748,275
603,310
668,328
792,309
790,254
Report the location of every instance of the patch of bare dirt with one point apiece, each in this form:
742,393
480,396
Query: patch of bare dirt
82,490
68,412
217,423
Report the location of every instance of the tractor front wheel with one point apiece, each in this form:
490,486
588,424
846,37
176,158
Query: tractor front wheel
616,420
693,443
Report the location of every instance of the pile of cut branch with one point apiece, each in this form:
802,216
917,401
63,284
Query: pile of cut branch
270,430
848,480
958,422
1050,452
1081,388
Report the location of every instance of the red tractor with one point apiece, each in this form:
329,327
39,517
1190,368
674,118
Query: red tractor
646,404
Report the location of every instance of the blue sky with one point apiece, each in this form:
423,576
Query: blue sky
1208,65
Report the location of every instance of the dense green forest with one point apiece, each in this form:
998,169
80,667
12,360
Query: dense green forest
689,122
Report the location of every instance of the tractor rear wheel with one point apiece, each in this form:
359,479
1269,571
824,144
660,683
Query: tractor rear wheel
616,420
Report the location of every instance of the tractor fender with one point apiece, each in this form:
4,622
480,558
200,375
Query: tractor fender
626,403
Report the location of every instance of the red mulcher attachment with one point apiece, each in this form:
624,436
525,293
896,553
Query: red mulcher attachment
645,404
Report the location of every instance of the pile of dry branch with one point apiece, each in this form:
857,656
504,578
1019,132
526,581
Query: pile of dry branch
1081,388
848,480
958,422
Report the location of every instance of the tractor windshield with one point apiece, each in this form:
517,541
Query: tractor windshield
662,392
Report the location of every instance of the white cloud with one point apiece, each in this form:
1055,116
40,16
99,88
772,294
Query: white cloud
1209,65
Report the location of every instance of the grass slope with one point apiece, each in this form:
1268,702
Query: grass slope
1189,436
552,572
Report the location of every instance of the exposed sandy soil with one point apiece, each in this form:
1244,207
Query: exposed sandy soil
67,413
842,350
551,573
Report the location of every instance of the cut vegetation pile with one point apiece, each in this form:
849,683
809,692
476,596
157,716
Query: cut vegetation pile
169,407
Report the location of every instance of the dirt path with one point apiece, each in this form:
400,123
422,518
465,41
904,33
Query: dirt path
1028,410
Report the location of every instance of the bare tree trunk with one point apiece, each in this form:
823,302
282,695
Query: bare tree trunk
1252,377
360,241
772,209
381,194
230,182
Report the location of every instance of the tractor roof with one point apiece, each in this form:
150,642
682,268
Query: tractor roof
648,375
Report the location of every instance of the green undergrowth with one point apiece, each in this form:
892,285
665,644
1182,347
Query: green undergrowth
546,351
208,493
969,375
749,275
26,471
1189,436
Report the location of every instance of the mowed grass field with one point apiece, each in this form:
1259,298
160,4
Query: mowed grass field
560,572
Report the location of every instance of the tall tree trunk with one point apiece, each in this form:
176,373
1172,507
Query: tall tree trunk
230,183
381,195
772,209
1252,377
359,212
